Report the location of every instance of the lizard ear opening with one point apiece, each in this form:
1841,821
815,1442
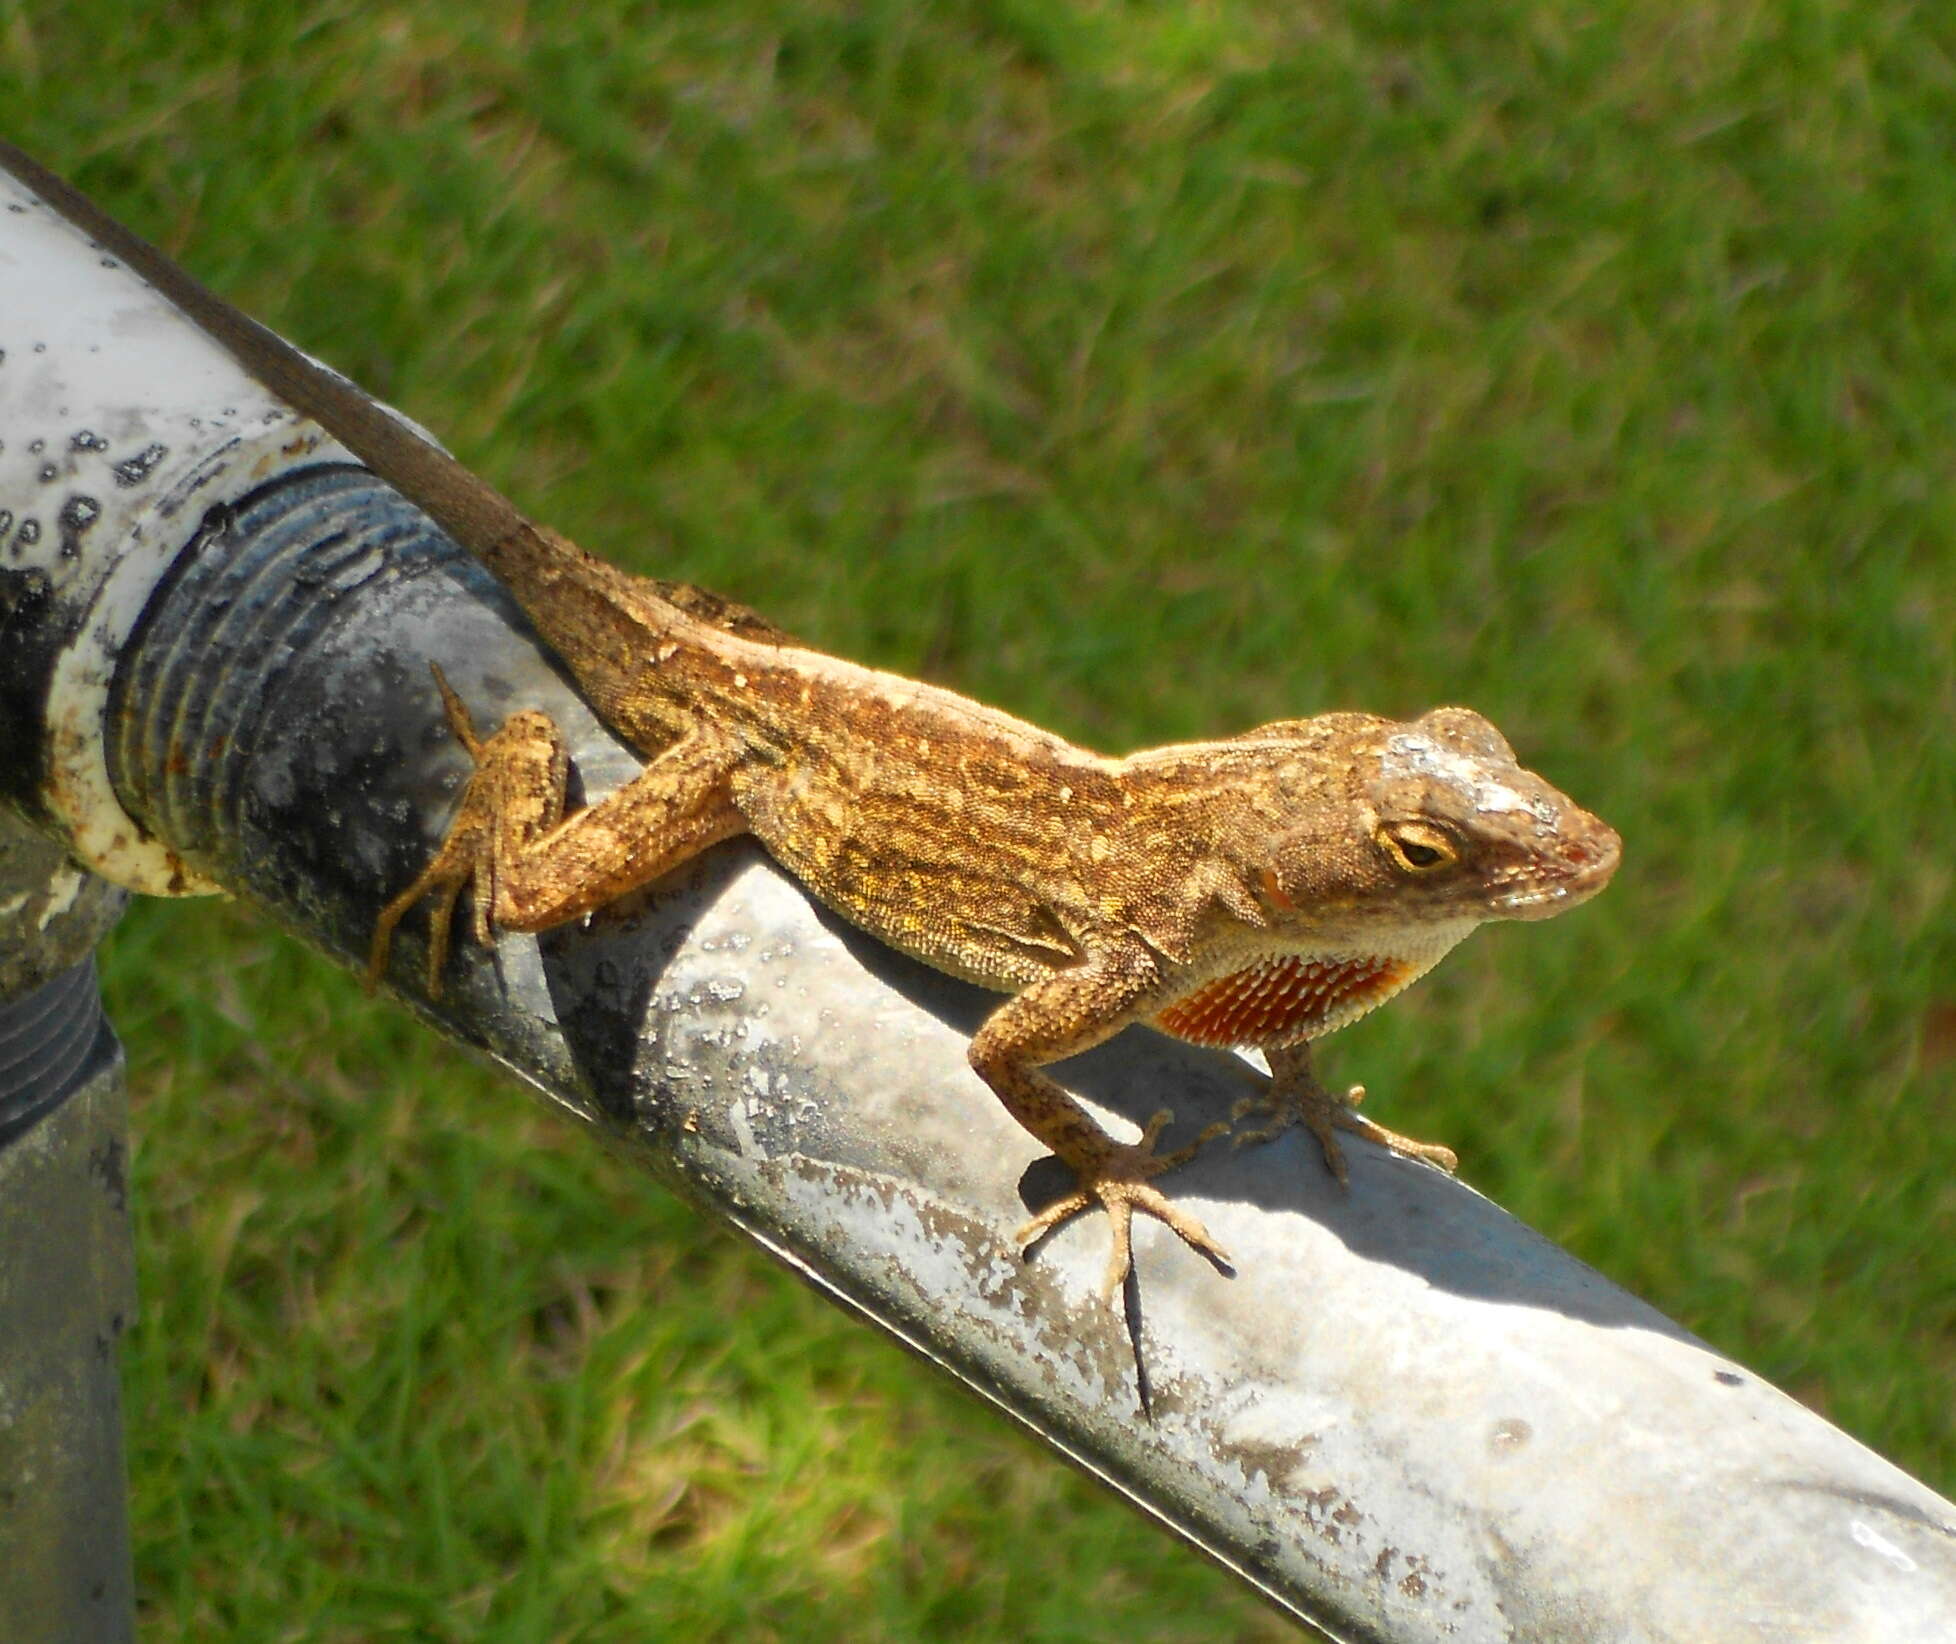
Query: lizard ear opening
1417,847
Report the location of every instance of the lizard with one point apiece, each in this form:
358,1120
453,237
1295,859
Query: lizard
1255,891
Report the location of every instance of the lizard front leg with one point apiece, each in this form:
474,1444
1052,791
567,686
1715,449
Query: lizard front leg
1295,1095
1056,1017
532,867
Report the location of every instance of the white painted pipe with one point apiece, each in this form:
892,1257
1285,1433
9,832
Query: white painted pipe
121,428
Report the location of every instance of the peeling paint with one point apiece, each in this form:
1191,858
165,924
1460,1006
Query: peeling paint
64,887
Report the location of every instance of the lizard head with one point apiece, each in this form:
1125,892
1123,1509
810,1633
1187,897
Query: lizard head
1364,850
1439,827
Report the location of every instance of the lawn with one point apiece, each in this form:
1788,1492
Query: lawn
1149,370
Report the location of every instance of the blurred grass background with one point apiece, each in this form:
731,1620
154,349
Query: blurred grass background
1149,370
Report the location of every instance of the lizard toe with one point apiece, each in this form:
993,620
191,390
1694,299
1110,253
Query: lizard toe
1060,1210
1324,1115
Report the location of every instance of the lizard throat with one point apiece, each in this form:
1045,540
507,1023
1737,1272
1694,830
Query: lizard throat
1285,1000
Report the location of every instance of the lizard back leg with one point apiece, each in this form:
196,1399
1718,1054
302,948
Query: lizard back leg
527,864
1059,1016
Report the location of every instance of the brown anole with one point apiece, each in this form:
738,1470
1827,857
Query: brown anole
1259,891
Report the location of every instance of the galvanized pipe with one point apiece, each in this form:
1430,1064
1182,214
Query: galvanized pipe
1405,1416
67,1271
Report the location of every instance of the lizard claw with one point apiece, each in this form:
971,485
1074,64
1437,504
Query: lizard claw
1115,1178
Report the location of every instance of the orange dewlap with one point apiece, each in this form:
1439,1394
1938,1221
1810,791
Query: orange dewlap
1281,1000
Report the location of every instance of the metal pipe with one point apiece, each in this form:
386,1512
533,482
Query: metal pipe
1404,1417
67,1270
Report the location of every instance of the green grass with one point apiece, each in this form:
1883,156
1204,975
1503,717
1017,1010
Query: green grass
1150,370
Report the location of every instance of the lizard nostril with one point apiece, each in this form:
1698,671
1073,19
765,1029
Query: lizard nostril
1587,851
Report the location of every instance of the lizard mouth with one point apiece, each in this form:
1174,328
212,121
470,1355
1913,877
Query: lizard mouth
1284,1000
1580,866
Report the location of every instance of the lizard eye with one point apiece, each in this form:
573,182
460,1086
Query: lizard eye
1417,847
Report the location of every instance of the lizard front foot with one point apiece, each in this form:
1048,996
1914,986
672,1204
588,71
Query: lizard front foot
1115,1177
1294,1096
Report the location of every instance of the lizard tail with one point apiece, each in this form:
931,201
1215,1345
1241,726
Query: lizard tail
578,603
475,514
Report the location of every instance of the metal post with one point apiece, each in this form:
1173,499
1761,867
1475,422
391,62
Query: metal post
1404,1417
67,1270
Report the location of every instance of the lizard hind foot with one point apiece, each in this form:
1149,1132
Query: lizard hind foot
1116,1179
459,861
516,785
